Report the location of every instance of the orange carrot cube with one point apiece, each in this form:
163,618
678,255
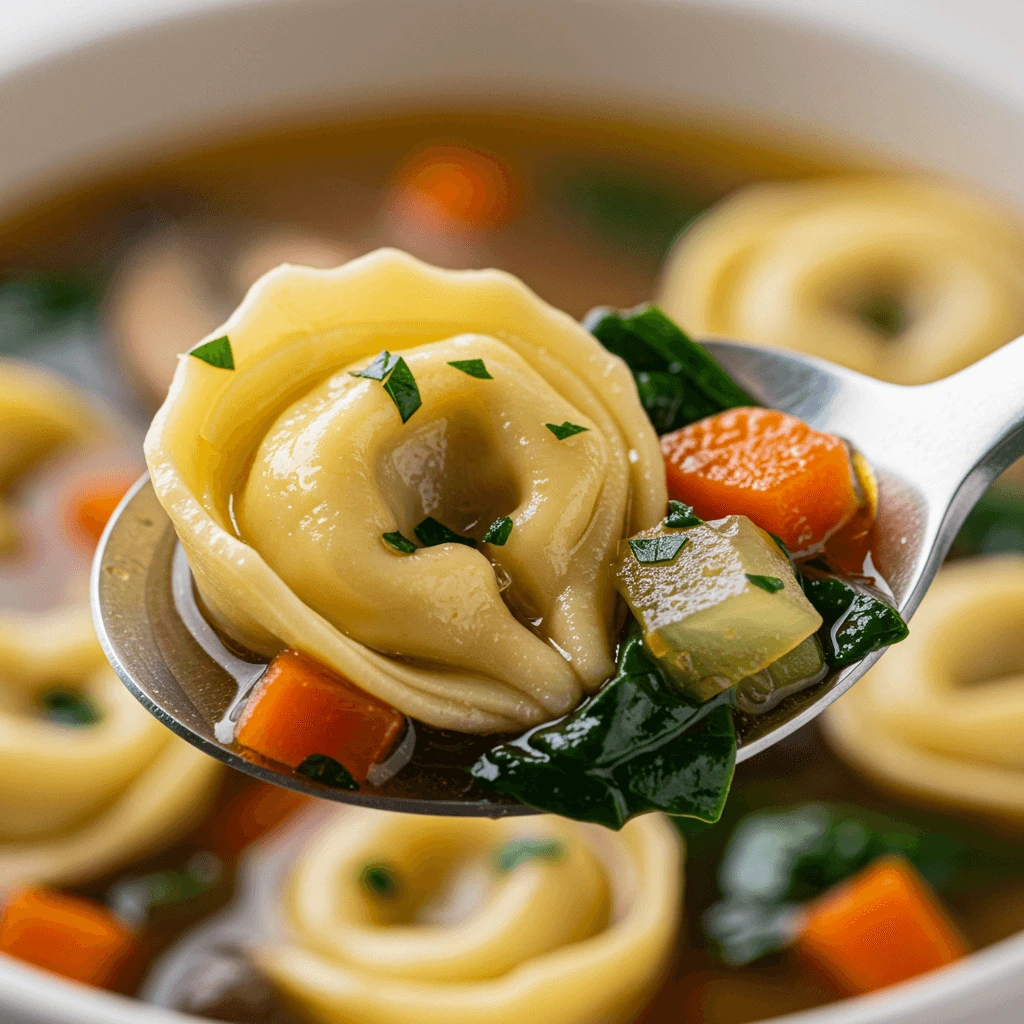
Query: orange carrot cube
301,707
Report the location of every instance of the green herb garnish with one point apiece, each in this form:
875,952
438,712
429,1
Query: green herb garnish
678,382
884,314
398,380
69,707
521,851
379,368
770,584
217,353
657,550
637,745
380,880
134,898
499,531
430,533
566,429
321,768
474,367
681,516
399,543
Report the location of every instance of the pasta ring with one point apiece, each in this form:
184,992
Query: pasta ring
790,264
76,802
941,716
583,932
284,477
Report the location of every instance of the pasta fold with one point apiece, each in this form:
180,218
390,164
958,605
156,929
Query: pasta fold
283,476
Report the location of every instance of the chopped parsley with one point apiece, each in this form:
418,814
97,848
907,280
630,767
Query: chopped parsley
399,543
321,768
217,353
380,880
430,533
499,531
521,851
69,707
680,516
566,429
657,550
474,367
771,584
398,381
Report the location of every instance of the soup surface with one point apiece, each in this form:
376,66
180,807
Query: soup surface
106,283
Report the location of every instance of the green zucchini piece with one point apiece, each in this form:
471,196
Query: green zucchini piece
804,666
678,382
636,746
857,620
703,619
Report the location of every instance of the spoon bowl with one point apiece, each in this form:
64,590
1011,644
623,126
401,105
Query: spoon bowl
934,450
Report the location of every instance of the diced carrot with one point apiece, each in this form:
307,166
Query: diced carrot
301,707
878,928
92,507
250,814
456,184
66,934
791,480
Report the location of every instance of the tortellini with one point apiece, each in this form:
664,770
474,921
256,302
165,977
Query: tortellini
401,919
78,800
941,716
900,278
38,415
283,476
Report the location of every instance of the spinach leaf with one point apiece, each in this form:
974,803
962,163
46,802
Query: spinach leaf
36,306
678,382
857,621
637,745
995,524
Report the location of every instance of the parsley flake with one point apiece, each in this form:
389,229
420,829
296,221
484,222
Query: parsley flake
430,533
680,516
521,851
498,532
474,367
398,380
217,353
68,707
566,429
770,584
321,768
380,880
399,543
379,368
657,550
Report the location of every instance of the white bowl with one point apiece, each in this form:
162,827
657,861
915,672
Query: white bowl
925,99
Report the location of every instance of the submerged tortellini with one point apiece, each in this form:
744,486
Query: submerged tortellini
88,779
286,476
900,278
39,414
941,716
400,919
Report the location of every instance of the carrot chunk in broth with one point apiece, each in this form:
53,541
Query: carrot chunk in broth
773,468
66,934
301,708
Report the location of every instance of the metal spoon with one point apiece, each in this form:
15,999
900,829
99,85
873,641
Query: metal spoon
934,448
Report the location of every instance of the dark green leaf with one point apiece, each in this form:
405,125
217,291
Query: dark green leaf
217,353
657,550
380,880
995,524
321,768
401,386
566,429
474,367
626,207
430,533
636,746
69,707
521,851
681,516
678,382
857,621
134,898
380,368
37,308
499,531
771,584
399,543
